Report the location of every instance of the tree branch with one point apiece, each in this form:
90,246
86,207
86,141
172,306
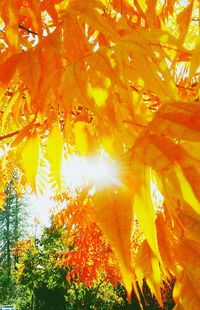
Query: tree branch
9,135
28,30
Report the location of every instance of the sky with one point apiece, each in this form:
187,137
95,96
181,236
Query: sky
77,172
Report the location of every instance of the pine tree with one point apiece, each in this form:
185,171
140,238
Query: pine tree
12,229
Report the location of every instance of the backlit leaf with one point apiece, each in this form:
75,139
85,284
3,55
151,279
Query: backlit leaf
114,209
147,265
187,291
55,151
188,253
30,159
190,221
12,23
184,21
187,191
7,70
165,243
178,120
144,210
81,136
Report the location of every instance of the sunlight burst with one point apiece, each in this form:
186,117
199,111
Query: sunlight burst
80,172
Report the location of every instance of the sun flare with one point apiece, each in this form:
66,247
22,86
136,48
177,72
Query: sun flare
97,171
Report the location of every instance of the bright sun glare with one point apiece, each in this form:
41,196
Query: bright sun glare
92,172
98,171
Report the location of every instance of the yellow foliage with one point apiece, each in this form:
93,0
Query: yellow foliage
55,151
30,158
120,78
114,209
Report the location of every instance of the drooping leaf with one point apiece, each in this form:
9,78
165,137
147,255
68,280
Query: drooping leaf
11,19
187,191
188,254
9,107
76,47
184,22
187,291
165,243
190,221
148,267
170,155
195,62
30,158
114,209
30,71
7,70
81,136
178,120
144,209
55,152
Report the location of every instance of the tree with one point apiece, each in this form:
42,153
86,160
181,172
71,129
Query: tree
41,272
12,229
122,76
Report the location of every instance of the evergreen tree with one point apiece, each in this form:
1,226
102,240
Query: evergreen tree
12,229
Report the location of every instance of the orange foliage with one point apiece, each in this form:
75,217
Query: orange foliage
77,76
88,252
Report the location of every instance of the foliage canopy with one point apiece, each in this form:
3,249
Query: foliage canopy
78,76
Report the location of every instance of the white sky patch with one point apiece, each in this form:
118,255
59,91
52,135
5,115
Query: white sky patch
78,172
40,207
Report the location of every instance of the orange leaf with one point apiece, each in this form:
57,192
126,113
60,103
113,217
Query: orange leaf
7,70
190,221
76,47
187,291
114,209
164,243
12,23
178,120
148,266
188,254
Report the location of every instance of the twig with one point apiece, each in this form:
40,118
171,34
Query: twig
9,135
135,124
170,48
28,30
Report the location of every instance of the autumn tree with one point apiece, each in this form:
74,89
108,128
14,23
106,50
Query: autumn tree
79,77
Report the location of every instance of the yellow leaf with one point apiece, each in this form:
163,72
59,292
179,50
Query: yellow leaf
81,136
195,61
55,151
114,209
144,209
99,95
30,159
9,107
184,22
171,155
147,265
187,191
